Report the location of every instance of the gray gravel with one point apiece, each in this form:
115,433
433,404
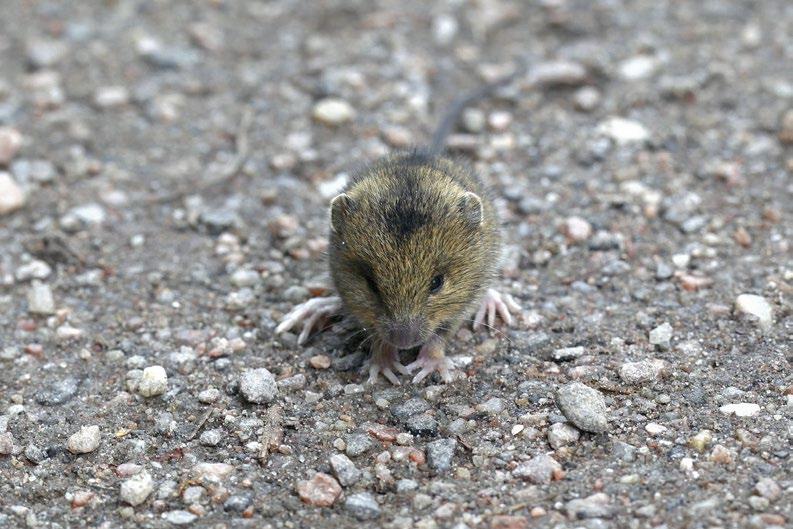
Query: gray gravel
165,169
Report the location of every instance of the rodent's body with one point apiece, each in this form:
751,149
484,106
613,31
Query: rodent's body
402,224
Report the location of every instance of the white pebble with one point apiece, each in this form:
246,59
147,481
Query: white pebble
153,382
755,306
638,67
111,96
40,299
332,111
741,409
577,229
10,143
623,130
85,440
661,335
654,428
11,196
136,489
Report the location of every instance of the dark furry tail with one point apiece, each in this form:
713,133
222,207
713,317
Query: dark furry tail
456,109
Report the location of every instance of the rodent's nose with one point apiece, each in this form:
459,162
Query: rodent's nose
405,334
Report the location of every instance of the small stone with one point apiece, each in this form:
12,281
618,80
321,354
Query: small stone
357,444
34,454
661,336
583,406
35,269
701,440
576,229
587,98
769,489
422,424
86,440
440,454
258,386
653,428
406,485
741,409
344,470
44,53
292,383
624,131
10,143
561,434
721,454
11,196
567,354
540,469
6,443
506,521
153,382
111,97
332,111
410,408
211,437
594,506
786,128
363,506
663,271
444,29
209,396
473,120
179,517
642,372
56,392
638,67
319,361
557,73
136,489
40,299
499,121
320,491
492,406
237,503
212,472
757,307
245,278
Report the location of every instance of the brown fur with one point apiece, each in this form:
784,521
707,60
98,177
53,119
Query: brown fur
400,223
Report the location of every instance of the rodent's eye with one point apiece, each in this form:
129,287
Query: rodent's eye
436,284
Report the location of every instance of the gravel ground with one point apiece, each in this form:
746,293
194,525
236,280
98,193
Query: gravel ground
164,173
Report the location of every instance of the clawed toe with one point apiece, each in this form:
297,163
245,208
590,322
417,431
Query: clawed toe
495,304
428,366
313,313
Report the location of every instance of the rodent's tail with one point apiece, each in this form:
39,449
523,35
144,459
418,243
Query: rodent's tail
456,109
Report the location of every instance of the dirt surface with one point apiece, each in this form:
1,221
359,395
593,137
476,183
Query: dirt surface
165,169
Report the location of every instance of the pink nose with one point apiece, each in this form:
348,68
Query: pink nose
405,334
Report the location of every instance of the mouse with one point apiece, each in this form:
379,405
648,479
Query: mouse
414,251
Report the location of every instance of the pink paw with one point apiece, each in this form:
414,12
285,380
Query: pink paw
385,362
495,303
313,313
427,365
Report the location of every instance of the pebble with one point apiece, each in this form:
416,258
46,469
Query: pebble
642,371
11,196
422,424
444,29
540,469
769,489
111,97
561,434
258,386
638,67
212,472
595,506
35,269
153,382
179,517
587,98
245,278
663,271
701,440
406,485
209,396
721,454
741,409
319,361
557,73
211,437
756,307
410,408
583,406
320,491
576,229
363,506
136,489
40,299
237,503
34,454
333,111
44,53
344,469
492,406
661,336
473,120
506,521
624,131
6,443
440,454
653,428
357,444
85,440
10,143
567,354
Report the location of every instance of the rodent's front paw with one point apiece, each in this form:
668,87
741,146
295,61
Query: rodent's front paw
494,303
314,313
384,361
427,365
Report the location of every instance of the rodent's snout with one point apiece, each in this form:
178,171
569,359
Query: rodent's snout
405,334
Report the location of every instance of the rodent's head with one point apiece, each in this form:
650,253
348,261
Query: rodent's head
410,251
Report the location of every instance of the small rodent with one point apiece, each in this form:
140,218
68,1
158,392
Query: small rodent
414,247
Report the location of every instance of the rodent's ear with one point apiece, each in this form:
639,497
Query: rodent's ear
471,208
340,207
